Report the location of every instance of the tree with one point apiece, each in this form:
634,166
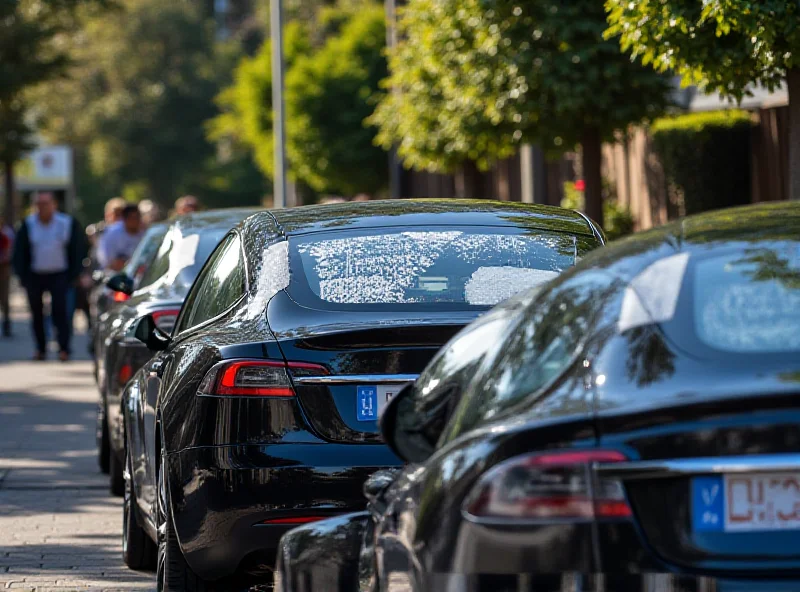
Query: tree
138,93
720,45
474,79
328,97
333,65
246,105
29,55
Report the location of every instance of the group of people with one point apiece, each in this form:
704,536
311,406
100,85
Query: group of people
51,253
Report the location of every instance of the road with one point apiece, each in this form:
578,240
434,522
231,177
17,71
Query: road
60,529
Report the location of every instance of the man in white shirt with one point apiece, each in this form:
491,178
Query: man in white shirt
48,257
119,241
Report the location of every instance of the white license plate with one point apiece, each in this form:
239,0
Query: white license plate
372,400
746,502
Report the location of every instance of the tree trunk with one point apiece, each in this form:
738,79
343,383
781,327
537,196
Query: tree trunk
591,149
793,85
469,182
8,168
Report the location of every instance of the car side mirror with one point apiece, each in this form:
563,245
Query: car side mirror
146,331
377,483
120,283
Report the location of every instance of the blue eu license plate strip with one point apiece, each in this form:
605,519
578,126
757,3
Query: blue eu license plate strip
367,403
708,504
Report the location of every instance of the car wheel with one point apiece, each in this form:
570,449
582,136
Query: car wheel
138,549
116,478
173,573
103,440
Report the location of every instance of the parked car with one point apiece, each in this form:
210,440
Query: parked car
639,417
103,298
259,411
158,290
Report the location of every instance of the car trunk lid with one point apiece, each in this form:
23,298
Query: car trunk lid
714,479
368,358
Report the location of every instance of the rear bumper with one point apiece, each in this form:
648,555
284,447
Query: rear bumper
221,495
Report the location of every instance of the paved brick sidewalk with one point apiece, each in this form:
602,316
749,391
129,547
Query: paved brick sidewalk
59,527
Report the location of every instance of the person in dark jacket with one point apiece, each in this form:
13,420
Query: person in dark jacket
48,257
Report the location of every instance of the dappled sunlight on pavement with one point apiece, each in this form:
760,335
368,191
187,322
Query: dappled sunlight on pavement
59,526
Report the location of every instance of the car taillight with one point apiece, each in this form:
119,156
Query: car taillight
165,319
125,373
549,486
121,297
262,378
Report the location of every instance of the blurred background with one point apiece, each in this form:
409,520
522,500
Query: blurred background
151,100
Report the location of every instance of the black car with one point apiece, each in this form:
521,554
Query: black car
155,287
103,298
636,428
259,411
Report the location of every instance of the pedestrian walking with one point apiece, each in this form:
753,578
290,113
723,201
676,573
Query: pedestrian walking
6,248
48,257
120,240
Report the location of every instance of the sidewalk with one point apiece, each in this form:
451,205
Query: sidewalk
59,527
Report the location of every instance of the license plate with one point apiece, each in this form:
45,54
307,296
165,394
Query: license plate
372,400
746,502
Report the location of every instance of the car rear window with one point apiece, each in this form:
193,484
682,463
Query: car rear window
748,302
448,268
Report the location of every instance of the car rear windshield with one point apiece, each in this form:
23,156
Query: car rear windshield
748,302
450,268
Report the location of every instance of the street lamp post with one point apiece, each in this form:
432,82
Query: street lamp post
278,122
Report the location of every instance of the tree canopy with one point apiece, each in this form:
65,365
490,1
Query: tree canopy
474,79
333,67
246,105
722,46
328,97
29,55
137,95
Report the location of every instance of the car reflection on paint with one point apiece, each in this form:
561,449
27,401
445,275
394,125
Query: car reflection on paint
636,427
259,412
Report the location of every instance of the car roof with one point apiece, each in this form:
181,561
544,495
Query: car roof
429,212
721,229
220,220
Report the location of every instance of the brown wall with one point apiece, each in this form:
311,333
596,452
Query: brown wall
630,164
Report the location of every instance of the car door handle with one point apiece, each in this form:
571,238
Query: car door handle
157,368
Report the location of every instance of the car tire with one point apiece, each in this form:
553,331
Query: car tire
173,573
138,550
116,479
103,441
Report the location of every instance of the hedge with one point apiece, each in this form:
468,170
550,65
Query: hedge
706,158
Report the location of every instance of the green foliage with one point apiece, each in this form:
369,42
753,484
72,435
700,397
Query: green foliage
328,97
473,79
246,105
334,63
720,45
141,86
29,55
618,220
706,158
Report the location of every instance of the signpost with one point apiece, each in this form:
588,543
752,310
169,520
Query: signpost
279,124
47,168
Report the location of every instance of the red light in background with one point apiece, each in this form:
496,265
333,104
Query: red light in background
580,185
120,297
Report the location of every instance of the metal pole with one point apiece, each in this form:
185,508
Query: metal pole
278,123
396,171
